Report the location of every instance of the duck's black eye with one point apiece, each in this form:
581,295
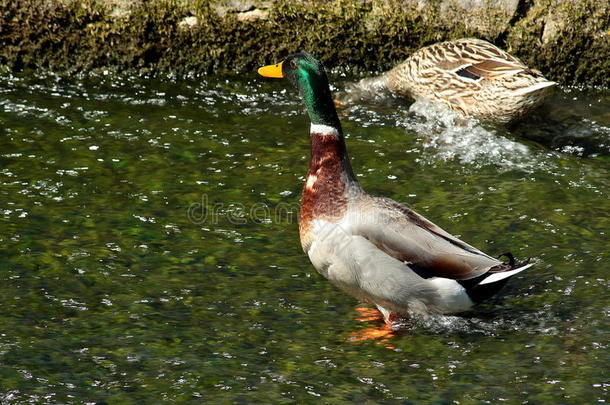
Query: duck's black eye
293,64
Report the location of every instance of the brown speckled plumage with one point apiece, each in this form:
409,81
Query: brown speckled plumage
473,77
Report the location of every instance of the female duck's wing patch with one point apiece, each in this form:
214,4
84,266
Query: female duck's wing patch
475,60
491,68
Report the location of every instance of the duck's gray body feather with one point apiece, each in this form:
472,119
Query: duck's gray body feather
378,250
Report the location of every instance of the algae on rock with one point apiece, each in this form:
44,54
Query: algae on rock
569,41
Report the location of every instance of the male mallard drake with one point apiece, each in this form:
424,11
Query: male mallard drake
470,76
374,248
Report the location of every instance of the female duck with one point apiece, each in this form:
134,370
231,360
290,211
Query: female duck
373,247
472,77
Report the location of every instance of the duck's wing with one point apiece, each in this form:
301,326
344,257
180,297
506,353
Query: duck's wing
474,59
429,250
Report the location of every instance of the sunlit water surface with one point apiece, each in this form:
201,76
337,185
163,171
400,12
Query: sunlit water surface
150,253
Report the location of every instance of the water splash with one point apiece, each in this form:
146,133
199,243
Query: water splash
449,136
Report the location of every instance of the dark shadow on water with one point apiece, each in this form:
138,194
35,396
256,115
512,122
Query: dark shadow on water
571,134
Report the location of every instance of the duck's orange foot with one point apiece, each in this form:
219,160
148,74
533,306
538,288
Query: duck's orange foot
368,314
382,334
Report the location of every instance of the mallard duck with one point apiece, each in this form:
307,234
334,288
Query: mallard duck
374,248
472,77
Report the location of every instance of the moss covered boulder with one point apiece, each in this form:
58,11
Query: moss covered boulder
568,40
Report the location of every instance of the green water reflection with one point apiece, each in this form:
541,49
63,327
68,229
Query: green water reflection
143,257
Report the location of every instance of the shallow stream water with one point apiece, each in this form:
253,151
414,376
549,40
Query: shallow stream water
149,247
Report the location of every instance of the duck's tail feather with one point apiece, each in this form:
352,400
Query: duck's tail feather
495,277
488,284
541,84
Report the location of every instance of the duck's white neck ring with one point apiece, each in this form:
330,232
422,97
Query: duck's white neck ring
322,129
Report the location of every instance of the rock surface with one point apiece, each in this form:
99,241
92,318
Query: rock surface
569,41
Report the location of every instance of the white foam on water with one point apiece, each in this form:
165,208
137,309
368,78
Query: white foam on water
448,135
479,323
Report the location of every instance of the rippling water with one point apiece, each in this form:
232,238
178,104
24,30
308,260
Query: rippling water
150,247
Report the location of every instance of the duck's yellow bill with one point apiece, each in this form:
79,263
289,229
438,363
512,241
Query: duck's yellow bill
271,71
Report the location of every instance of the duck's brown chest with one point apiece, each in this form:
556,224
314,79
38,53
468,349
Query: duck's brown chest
325,190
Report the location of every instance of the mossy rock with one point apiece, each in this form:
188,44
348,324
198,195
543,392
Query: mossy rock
568,41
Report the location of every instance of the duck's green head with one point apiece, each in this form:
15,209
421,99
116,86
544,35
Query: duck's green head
307,74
